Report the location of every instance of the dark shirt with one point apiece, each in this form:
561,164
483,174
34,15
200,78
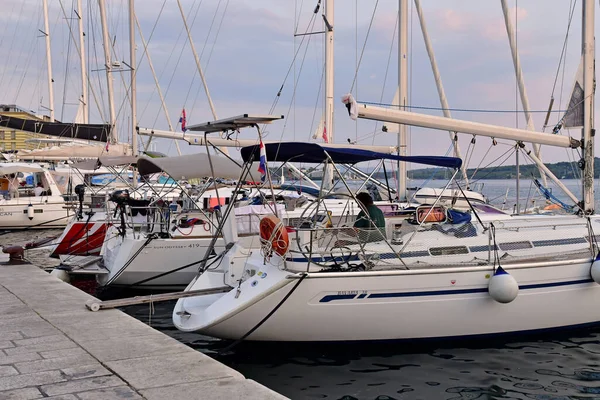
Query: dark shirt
362,221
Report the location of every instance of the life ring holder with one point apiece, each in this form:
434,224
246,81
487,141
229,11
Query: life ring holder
274,236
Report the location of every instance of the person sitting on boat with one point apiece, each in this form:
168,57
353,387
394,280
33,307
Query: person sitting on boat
372,227
39,189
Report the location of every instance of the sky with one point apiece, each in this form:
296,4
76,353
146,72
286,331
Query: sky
249,53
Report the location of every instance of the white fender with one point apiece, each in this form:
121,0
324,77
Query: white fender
30,212
503,287
595,269
60,274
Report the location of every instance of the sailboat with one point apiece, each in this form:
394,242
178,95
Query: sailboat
438,274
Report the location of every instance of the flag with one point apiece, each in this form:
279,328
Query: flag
574,116
183,121
262,166
321,131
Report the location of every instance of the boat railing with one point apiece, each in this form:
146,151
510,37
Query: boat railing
405,245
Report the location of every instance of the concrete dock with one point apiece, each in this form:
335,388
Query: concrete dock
52,347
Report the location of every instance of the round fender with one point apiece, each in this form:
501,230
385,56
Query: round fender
503,287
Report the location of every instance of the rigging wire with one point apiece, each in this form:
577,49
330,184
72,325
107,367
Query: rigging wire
180,53
12,42
364,45
212,49
313,20
216,35
387,68
309,26
508,155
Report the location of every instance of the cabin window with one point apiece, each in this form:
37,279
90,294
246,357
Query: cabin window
35,211
448,251
515,245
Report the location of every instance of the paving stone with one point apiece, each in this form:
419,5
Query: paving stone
82,385
65,352
8,370
44,329
74,352
133,347
109,324
170,369
219,389
114,393
21,394
34,348
15,312
55,363
40,339
4,359
29,326
11,335
35,379
85,371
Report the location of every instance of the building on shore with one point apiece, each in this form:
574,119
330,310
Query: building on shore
14,139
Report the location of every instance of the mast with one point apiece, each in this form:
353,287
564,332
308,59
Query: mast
107,63
588,106
440,87
200,71
402,91
84,92
328,18
521,82
158,89
49,61
133,65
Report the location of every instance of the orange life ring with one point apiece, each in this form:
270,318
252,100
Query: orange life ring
273,231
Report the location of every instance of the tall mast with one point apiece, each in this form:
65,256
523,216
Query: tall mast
402,91
200,71
158,89
49,61
133,65
512,40
84,92
108,65
328,18
588,106
440,87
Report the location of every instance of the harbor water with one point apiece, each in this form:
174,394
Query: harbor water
543,366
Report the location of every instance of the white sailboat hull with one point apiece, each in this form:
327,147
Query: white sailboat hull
394,305
133,262
51,214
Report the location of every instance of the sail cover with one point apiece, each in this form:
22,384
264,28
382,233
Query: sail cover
96,132
314,153
190,166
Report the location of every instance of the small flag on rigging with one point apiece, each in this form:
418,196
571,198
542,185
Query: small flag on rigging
182,121
262,166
